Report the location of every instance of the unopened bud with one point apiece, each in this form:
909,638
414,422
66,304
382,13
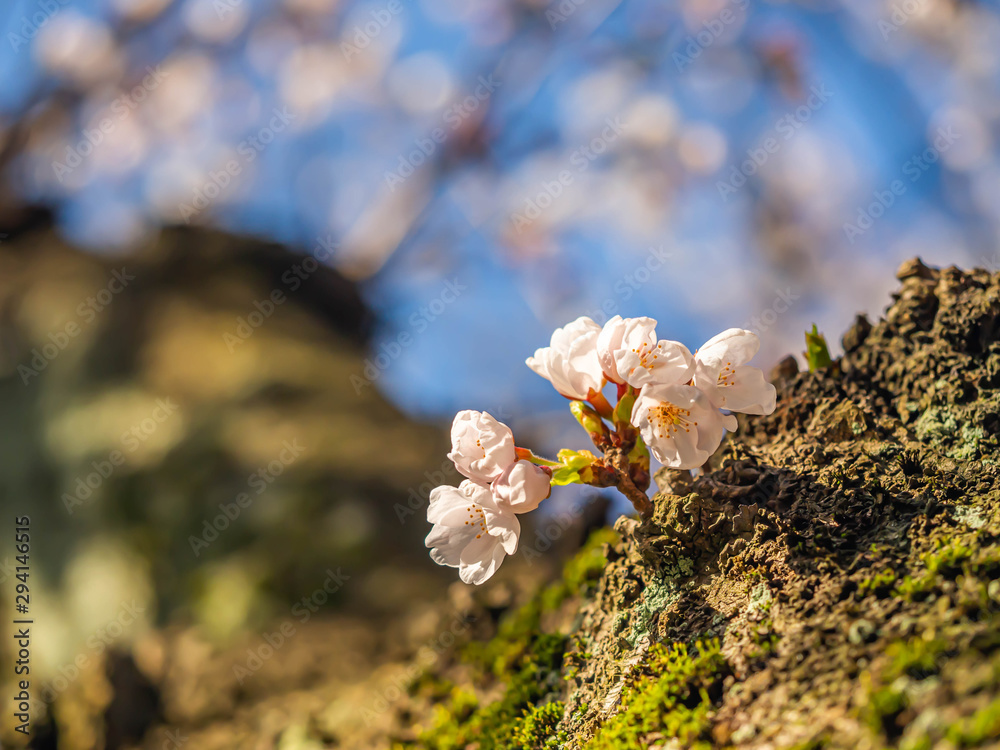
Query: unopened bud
591,421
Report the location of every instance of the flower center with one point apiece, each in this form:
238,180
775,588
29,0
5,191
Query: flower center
669,419
476,518
727,375
648,354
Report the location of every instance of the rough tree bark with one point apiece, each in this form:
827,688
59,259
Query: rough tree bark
832,580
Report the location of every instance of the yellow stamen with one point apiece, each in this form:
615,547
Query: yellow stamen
727,372
670,419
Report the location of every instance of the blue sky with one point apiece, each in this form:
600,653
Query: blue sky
648,192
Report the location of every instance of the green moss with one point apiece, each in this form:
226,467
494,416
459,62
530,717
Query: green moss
976,729
911,662
764,638
816,743
947,556
449,717
916,743
518,628
538,728
949,559
914,659
528,661
587,564
879,582
669,697
504,723
429,685
676,566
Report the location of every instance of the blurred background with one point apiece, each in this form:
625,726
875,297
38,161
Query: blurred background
254,254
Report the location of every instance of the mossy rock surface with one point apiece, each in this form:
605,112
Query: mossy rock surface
832,581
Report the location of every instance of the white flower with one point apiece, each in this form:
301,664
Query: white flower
729,383
481,447
629,353
471,531
522,486
679,424
609,342
570,360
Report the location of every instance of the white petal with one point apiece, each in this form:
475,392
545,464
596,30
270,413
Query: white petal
750,392
570,361
608,342
638,332
481,559
582,327
522,486
449,505
481,446
734,345
706,379
505,527
582,367
443,501
687,453
679,424
549,364
447,543
711,429
666,363
636,336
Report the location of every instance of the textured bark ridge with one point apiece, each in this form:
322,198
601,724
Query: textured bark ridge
832,581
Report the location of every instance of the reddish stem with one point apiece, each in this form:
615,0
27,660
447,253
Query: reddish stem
601,405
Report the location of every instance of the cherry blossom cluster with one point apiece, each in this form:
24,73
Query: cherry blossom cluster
670,402
475,524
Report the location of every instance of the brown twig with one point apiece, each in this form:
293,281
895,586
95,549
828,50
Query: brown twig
619,461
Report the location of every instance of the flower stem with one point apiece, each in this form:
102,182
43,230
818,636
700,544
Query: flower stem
523,454
600,403
640,501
